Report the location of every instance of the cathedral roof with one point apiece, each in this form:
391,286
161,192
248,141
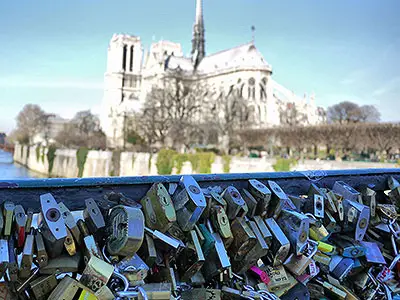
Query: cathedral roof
243,56
183,63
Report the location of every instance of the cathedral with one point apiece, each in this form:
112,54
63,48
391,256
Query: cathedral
132,72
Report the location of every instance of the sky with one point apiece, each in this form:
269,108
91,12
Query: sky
53,53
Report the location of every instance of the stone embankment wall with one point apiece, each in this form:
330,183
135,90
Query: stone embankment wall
102,163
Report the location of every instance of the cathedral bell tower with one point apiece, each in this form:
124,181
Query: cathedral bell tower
198,41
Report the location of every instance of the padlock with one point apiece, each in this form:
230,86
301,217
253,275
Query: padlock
236,206
312,271
387,211
148,250
266,234
280,244
326,248
278,278
230,293
8,211
12,261
69,243
42,287
357,218
209,241
262,275
369,199
27,256
29,217
251,202
70,223
165,239
201,293
346,191
260,249
217,260
244,238
339,205
127,225
279,200
199,234
192,258
220,221
262,194
394,187
332,291
20,223
373,254
328,201
296,227
4,259
330,223
133,268
91,247
158,208
104,293
21,286
189,202
68,289
41,253
315,205
318,232
298,264
282,290
340,267
7,292
160,290
337,284
94,218
51,225
349,247
299,292
96,273
62,264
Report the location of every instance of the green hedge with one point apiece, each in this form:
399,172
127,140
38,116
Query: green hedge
226,163
51,155
165,161
81,156
284,165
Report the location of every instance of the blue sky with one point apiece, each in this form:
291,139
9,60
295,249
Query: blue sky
53,53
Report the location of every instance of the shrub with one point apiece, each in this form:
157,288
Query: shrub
284,165
165,161
51,155
226,163
179,159
205,161
81,156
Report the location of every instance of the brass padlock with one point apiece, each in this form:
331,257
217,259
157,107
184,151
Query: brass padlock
70,223
29,218
96,274
69,243
220,221
156,291
148,250
94,218
280,244
20,223
91,247
262,194
42,287
189,202
52,225
68,289
296,227
237,207
41,253
8,211
244,239
27,256
298,264
278,278
127,225
158,208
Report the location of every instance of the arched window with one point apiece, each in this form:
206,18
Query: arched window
263,94
252,88
241,90
124,57
131,59
264,81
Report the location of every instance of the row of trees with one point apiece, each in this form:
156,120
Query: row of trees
345,138
35,125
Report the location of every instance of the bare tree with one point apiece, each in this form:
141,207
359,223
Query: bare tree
349,112
31,120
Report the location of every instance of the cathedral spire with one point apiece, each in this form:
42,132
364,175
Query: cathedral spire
198,41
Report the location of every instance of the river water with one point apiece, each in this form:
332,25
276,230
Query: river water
10,170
